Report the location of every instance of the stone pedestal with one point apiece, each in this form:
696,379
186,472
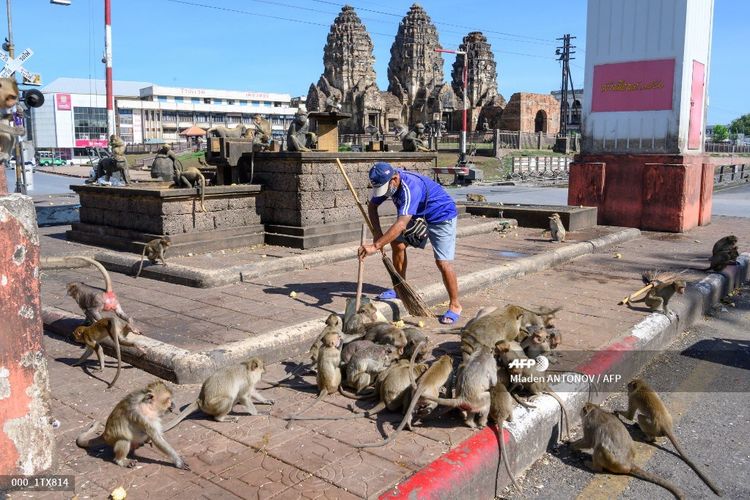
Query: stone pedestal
122,217
305,202
652,192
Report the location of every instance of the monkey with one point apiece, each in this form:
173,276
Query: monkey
93,301
430,384
333,325
352,347
8,131
366,363
556,228
476,198
385,334
366,314
489,327
723,253
416,341
238,132
473,388
536,344
658,296
725,244
191,177
116,330
612,447
501,411
154,251
231,385
328,376
134,421
655,421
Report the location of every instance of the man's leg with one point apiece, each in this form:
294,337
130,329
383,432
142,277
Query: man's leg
398,249
451,284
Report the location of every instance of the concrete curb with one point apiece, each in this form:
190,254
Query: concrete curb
207,278
470,469
186,367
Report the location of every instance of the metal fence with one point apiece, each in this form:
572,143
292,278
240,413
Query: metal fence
729,174
539,167
720,147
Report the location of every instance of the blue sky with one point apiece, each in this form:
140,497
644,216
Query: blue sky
229,44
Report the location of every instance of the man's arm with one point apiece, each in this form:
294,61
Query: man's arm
372,212
393,232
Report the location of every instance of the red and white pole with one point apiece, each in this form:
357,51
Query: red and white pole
462,140
108,63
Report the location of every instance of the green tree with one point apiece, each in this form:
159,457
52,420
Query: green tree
721,133
740,125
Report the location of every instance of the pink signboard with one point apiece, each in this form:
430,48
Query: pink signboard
92,143
63,102
633,86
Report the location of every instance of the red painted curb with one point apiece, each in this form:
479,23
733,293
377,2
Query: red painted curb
458,464
464,461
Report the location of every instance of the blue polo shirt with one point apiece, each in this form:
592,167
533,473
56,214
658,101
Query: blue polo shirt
420,196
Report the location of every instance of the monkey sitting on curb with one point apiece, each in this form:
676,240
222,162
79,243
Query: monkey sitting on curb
154,251
225,388
724,252
655,421
134,421
612,447
114,328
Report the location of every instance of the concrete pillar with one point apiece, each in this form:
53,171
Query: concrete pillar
3,181
27,440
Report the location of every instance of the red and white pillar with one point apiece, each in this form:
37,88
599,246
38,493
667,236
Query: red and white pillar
108,62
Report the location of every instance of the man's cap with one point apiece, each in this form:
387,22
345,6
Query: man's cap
380,174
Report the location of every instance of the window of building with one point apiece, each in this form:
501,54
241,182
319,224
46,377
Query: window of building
195,100
256,103
179,99
90,123
125,116
185,116
161,98
201,118
218,101
247,119
230,101
169,116
206,100
217,118
233,119
267,103
243,103
277,104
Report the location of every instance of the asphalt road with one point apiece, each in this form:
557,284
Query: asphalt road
705,383
44,184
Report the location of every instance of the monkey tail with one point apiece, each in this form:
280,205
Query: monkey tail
368,395
57,263
183,414
504,457
407,418
451,402
90,437
292,418
113,332
143,257
700,473
651,478
563,413
417,348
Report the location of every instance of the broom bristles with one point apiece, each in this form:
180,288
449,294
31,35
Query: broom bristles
413,302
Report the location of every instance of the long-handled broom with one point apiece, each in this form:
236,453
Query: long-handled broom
413,302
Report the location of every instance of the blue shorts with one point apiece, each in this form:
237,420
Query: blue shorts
442,236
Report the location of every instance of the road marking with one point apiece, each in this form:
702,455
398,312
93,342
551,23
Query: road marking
606,486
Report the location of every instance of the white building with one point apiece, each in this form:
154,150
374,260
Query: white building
74,114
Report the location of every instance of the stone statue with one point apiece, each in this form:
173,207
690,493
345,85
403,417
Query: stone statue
164,164
299,137
261,129
414,140
238,132
114,168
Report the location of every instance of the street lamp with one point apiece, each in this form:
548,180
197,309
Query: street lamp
462,141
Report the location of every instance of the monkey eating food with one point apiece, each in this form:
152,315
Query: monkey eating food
114,328
134,421
154,251
655,421
663,287
225,388
613,448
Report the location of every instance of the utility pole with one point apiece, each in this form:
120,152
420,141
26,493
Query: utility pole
108,62
564,54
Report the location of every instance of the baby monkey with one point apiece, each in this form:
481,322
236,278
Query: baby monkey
154,251
655,421
114,328
556,228
134,421
476,198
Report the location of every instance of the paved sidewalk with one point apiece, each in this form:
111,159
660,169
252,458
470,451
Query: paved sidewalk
258,457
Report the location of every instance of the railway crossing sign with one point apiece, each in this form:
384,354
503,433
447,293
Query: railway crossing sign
16,65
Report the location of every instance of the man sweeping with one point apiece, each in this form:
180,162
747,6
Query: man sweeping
424,211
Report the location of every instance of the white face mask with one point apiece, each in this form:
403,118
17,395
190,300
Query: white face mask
391,191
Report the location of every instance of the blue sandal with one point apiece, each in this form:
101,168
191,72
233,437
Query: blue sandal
388,295
450,317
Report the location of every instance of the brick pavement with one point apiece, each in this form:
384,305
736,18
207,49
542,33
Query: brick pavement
259,458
